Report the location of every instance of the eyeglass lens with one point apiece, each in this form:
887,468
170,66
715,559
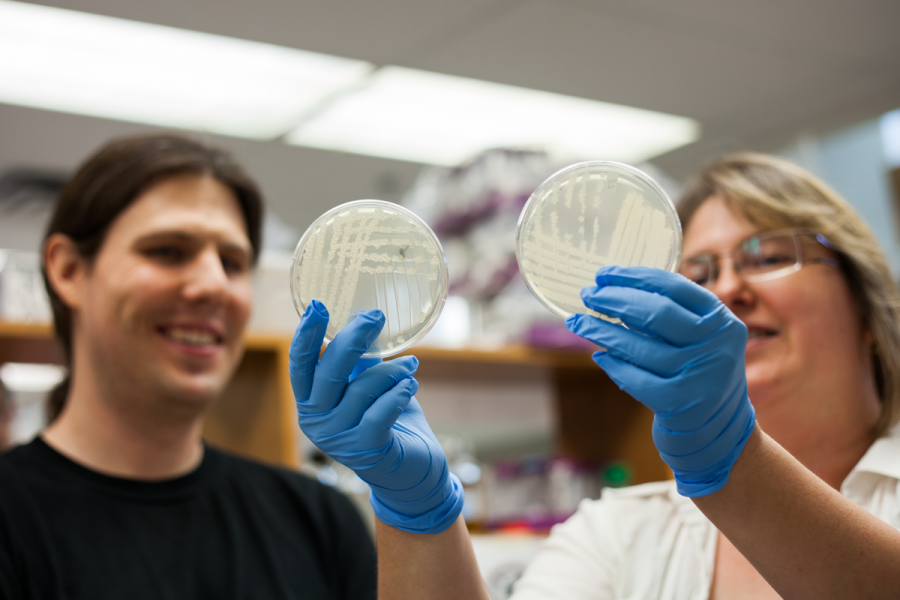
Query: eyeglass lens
759,255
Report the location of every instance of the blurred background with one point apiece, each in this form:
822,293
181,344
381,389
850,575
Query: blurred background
457,110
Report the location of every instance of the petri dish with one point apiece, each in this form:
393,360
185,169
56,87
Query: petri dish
589,215
371,254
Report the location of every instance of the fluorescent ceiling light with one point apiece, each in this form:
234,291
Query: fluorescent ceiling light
890,137
100,66
440,119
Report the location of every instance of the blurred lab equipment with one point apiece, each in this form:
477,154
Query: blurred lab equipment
473,209
23,298
26,199
28,386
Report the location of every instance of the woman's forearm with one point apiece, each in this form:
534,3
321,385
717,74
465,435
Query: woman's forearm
805,538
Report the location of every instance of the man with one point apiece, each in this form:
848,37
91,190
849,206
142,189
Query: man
6,413
147,262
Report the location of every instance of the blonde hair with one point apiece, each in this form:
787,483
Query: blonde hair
773,194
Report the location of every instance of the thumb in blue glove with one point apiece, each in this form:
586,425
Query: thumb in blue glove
681,353
362,413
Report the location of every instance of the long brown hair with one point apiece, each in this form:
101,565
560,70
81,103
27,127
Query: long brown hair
772,194
109,181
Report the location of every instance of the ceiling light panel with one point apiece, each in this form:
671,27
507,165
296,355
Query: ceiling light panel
427,117
101,66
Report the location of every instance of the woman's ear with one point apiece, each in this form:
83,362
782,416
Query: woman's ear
869,340
65,268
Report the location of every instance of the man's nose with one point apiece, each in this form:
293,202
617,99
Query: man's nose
206,277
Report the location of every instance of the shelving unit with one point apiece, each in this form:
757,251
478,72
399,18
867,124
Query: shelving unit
595,421
255,415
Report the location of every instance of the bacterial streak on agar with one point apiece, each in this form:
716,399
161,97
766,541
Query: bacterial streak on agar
372,254
599,214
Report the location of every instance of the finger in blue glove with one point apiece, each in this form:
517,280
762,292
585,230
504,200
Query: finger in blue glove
362,413
681,353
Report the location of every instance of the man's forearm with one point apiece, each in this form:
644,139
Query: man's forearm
432,566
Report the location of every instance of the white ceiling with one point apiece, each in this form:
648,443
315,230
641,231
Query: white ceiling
754,74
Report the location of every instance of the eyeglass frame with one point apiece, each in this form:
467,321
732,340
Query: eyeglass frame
796,233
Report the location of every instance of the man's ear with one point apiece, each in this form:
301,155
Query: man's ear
65,268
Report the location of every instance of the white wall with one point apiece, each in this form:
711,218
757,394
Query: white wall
852,160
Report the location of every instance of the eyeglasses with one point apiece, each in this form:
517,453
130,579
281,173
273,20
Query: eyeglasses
761,257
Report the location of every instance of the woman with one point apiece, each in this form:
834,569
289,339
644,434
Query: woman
800,269
786,300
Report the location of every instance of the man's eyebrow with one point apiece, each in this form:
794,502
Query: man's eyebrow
185,236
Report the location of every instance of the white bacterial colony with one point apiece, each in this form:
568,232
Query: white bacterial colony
363,259
567,240
642,236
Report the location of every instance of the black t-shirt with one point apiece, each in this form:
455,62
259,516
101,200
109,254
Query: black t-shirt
230,529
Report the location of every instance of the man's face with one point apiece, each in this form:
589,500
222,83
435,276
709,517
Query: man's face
164,305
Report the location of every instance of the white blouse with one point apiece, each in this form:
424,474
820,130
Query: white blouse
648,542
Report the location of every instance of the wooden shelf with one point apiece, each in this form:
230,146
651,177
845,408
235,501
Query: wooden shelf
255,415
595,421
44,331
276,342
29,342
26,330
510,355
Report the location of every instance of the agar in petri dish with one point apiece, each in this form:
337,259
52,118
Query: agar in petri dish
371,254
587,216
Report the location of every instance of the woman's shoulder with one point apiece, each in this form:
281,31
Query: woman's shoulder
874,483
654,489
646,510
638,521
618,545
640,501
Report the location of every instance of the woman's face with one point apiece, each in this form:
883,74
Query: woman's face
807,352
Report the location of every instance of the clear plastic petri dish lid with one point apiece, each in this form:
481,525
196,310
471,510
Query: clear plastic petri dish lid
587,216
371,254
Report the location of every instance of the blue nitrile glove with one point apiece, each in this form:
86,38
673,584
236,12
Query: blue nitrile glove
371,422
682,355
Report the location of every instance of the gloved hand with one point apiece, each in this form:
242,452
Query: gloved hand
372,423
682,354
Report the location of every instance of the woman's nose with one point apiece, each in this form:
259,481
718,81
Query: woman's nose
730,286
